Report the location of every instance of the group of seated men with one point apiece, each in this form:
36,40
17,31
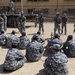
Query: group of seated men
14,58
55,64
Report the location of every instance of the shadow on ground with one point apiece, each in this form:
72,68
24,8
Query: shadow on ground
2,71
41,72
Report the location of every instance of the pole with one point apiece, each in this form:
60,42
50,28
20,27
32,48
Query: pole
57,4
22,5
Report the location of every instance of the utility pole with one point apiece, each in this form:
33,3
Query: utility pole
57,4
22,5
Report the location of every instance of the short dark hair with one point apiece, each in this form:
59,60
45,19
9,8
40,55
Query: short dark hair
23,33
56,35
70,37
13,32
38,33
2,31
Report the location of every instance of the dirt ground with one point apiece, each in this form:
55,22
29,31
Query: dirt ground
36,68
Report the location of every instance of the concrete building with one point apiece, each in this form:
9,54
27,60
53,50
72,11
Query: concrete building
48,7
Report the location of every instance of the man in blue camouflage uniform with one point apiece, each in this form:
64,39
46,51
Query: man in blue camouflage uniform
36,20
24,40
64,22
40,38
1,23
34,50
12,38
55,40
11,6
3,39
56,63
41,23
57,22
21,22
5,21
14,59
69,46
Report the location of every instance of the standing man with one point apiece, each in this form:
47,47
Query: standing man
21,22
57,22
1,23
36,20
11,6
64,22
41,21
5,21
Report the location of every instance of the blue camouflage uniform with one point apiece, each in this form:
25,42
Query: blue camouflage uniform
69,48
24,40
1,24
64,22
40,38
53,41
57,22
41,22
34,51
21,23
12,39
14,60
3,39
56,63
5,22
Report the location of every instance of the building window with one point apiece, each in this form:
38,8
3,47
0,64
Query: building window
16,0
30,11
37,0
71,11
45,11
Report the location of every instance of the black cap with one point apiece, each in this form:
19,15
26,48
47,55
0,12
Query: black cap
13,32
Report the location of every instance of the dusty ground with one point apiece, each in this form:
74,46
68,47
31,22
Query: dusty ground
36,68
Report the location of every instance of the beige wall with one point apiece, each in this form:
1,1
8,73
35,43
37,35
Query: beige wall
51,5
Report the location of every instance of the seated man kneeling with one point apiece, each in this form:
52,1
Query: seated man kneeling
34,50
55,64
14,59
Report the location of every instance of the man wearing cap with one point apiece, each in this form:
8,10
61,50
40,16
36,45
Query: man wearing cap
12,38
40,38
55,40
69,46
56,63
64,22
57,22
3,39
34,50
21,21
41,22
24,40
14,59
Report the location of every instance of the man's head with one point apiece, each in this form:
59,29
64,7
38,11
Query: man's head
2,31
22,13
57,36
35,38
70,37
23,33
38,33
13,32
